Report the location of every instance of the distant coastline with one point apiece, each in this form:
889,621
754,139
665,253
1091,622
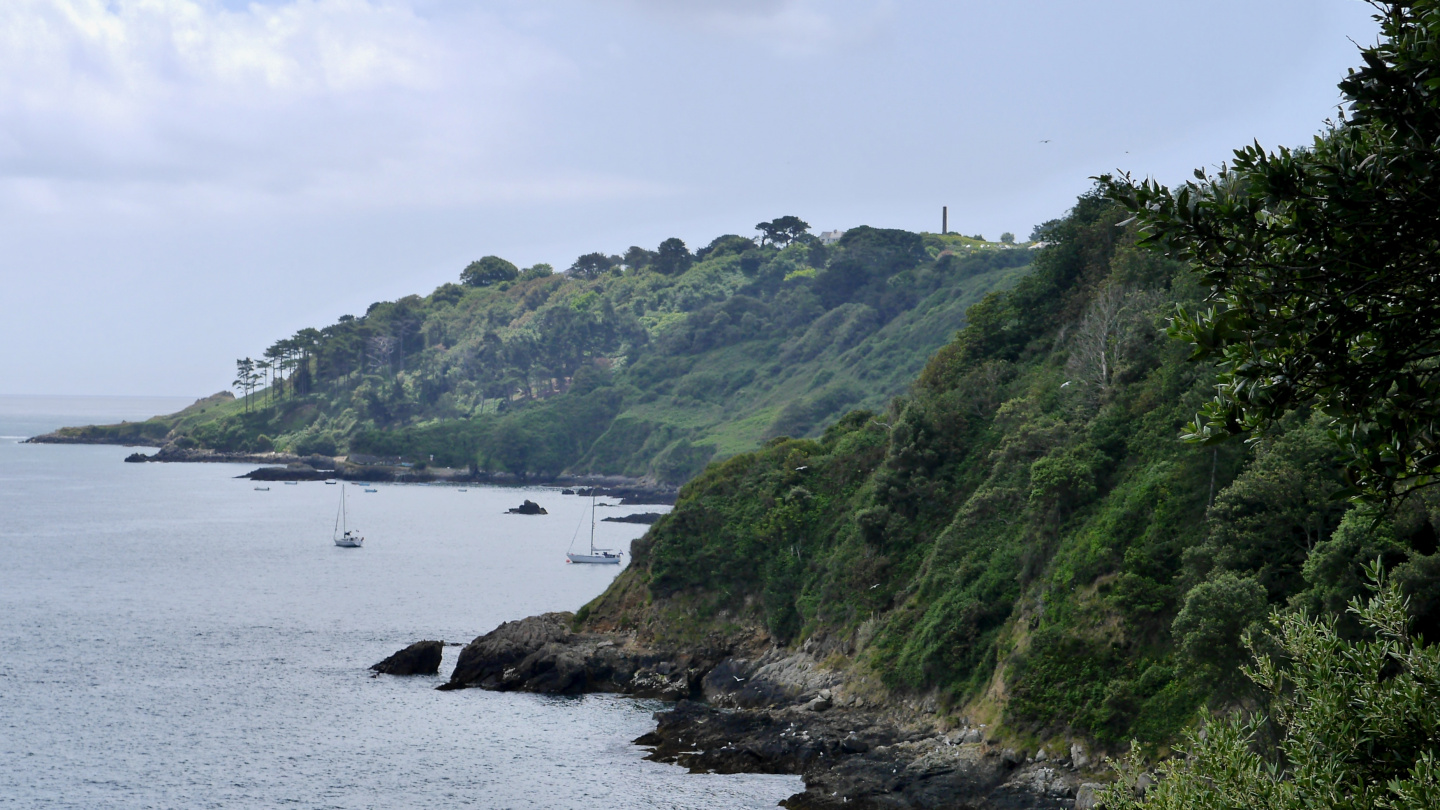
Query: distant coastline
292,467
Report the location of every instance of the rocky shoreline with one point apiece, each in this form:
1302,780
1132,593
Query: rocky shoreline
291,467
746,707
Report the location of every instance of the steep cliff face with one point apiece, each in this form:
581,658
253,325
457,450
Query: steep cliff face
1004,543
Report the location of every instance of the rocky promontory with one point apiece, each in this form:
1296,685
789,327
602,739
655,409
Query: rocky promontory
745,706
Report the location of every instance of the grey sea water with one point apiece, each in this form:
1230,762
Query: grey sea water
172,638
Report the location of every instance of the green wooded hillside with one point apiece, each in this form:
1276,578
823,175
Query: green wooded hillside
1023,535
646,365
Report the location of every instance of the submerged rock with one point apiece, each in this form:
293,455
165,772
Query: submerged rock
529,507
420,658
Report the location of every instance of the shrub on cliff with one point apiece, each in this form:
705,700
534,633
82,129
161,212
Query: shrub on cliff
1358,724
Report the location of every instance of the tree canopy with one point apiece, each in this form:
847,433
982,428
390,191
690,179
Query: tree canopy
1320,264
672,257
782,231
487,271
592,265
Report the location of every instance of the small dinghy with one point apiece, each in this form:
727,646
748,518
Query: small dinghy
262,489
367,489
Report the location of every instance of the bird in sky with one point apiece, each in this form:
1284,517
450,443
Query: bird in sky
1047,140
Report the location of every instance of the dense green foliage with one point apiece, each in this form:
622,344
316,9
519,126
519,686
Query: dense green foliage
647,364
1320,267
1023,532
1359,725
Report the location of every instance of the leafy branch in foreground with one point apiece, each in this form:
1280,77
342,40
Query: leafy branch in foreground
1360,724
1324,287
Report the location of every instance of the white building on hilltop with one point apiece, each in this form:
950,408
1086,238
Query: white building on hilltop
830,237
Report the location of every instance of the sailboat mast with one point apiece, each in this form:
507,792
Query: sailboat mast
592,522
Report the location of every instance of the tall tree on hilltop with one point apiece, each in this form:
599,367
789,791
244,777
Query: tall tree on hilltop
637,257
245,379
487,271
591,265
1322,267
672,257
782,231
306,341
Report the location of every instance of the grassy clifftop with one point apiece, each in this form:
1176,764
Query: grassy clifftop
1021,536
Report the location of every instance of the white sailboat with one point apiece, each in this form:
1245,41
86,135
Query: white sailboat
345,537
602,556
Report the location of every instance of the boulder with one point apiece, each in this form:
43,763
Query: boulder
1088,796
529,507
819,704
1078,757
420,658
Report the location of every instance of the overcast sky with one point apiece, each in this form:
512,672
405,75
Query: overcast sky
184,181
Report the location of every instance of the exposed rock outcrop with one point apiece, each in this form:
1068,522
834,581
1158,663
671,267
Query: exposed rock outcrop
541,654
420,658
529,507
746,707
646,518
630,495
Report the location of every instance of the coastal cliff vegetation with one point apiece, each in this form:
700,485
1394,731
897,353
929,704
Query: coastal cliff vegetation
648,364
1023,536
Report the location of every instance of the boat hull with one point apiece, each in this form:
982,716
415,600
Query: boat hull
348,543
594,559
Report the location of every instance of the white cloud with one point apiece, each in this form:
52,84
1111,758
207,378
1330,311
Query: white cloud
793,28
149,104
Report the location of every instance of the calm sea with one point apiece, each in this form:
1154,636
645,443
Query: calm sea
172,638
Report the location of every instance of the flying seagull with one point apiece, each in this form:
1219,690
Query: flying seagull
1047,140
